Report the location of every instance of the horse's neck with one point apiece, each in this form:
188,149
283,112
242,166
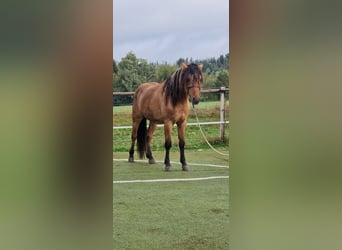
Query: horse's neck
183,105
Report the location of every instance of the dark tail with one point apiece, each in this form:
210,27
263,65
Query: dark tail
141,138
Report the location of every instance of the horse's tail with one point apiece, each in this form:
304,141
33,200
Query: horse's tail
141,138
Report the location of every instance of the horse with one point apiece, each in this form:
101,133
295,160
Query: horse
165,103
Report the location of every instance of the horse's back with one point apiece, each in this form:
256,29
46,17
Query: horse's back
146,87
148,90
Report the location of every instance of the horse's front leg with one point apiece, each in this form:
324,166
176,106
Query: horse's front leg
167,133
181,142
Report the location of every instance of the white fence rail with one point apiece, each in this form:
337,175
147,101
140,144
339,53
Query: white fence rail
222,121
188,124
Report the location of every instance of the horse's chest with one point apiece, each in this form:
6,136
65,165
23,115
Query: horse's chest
177,114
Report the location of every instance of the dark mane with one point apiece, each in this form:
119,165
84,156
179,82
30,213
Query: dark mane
174,86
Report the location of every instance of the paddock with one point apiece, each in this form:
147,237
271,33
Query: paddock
154,209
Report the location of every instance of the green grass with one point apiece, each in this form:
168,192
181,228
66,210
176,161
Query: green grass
207,111
171,215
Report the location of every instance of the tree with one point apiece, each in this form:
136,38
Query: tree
180,61
115,67
162,72
220,61
132,71
227,61
222,78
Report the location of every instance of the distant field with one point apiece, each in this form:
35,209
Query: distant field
171,215
201,106
207,111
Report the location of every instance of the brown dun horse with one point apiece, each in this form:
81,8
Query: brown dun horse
166,103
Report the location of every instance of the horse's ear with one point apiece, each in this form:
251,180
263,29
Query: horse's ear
200,66
184,66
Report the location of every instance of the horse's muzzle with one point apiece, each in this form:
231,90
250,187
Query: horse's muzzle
194,101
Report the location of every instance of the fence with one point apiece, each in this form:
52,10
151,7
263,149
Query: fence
221,91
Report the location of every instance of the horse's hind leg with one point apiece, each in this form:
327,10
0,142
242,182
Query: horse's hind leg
150,132
135,126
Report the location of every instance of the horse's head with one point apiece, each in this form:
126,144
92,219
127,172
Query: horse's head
193,80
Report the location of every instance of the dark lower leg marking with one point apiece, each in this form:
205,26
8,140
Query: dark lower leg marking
182,155
167,156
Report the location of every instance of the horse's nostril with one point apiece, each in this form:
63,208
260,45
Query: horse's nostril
195,101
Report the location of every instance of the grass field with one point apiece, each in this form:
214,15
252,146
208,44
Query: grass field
173,214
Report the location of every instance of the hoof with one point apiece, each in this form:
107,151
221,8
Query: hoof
151,161
168,168
130,159
185,168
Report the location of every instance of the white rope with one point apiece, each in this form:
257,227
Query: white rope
170,180
204,135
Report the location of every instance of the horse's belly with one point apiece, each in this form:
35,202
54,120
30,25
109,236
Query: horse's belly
154,115
151,108
163,116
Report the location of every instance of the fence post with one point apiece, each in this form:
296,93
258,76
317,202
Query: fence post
222,112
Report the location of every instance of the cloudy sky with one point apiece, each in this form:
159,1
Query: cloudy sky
165,30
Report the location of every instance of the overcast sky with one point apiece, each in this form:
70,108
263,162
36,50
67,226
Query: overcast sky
165,30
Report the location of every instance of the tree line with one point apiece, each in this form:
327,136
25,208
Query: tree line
131,71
